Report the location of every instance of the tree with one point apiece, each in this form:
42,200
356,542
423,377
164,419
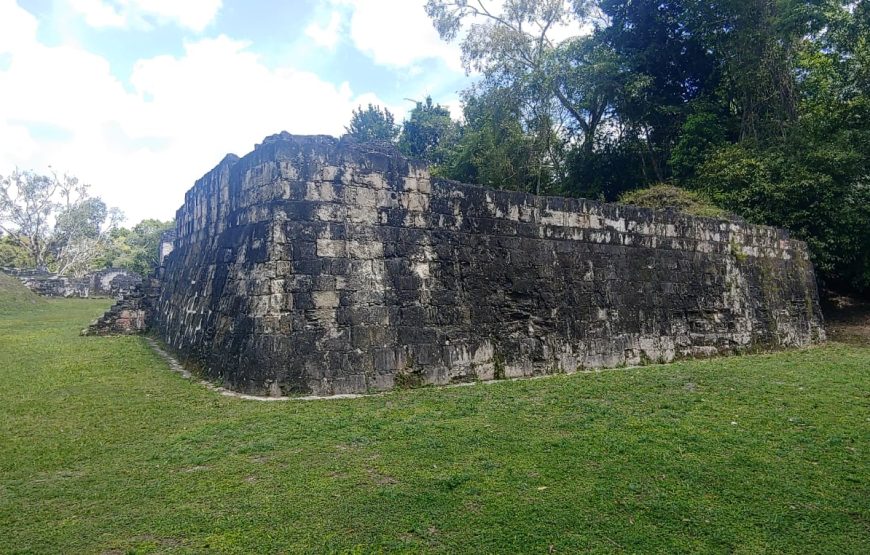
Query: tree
588,77
428,132
705,128
136,249
82,234
547,81
808,171
55,220
671,65
28,202
372,124
492,149
615,166
514,48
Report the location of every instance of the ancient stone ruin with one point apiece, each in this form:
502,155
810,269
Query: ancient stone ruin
314,265
110,282
131,314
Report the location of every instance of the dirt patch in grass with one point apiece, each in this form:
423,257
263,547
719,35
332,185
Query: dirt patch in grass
847,319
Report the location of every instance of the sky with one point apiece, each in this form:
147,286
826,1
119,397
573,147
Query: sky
139,98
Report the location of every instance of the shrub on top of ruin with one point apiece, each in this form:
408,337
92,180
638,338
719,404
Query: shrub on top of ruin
663,196
373,124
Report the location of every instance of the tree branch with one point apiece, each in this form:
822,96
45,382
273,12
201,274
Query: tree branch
573,111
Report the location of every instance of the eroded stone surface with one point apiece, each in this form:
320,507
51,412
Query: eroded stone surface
131,314
318,266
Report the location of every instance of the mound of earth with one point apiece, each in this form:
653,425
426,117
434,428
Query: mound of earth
14,296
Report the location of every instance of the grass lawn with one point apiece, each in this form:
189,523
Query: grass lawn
103,449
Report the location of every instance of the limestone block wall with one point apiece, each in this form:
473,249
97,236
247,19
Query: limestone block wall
319,266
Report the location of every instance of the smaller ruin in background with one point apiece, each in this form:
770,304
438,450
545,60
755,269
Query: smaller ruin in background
111,282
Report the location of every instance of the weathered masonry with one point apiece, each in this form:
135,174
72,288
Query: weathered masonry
316,265
110,282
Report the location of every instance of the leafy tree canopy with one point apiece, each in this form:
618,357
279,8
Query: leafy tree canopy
136,248
55,221
373,124
428,132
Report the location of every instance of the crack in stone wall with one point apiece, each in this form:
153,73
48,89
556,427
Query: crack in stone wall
319,266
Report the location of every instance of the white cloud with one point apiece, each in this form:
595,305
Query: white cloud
397,33
219,83
17,26
144,145
192,14
328,35
98,14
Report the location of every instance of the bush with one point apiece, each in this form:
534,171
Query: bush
816,190
664,196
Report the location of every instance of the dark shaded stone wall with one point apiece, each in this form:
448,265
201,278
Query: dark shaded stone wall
318,266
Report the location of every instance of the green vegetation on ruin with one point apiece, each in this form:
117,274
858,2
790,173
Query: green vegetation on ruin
663,196
106,451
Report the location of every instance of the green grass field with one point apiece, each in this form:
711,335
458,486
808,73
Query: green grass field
104,450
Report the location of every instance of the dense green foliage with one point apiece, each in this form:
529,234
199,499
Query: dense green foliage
762,105
132,248
425,134
54,222
107,451
372,124
136,248
426,131
492,148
